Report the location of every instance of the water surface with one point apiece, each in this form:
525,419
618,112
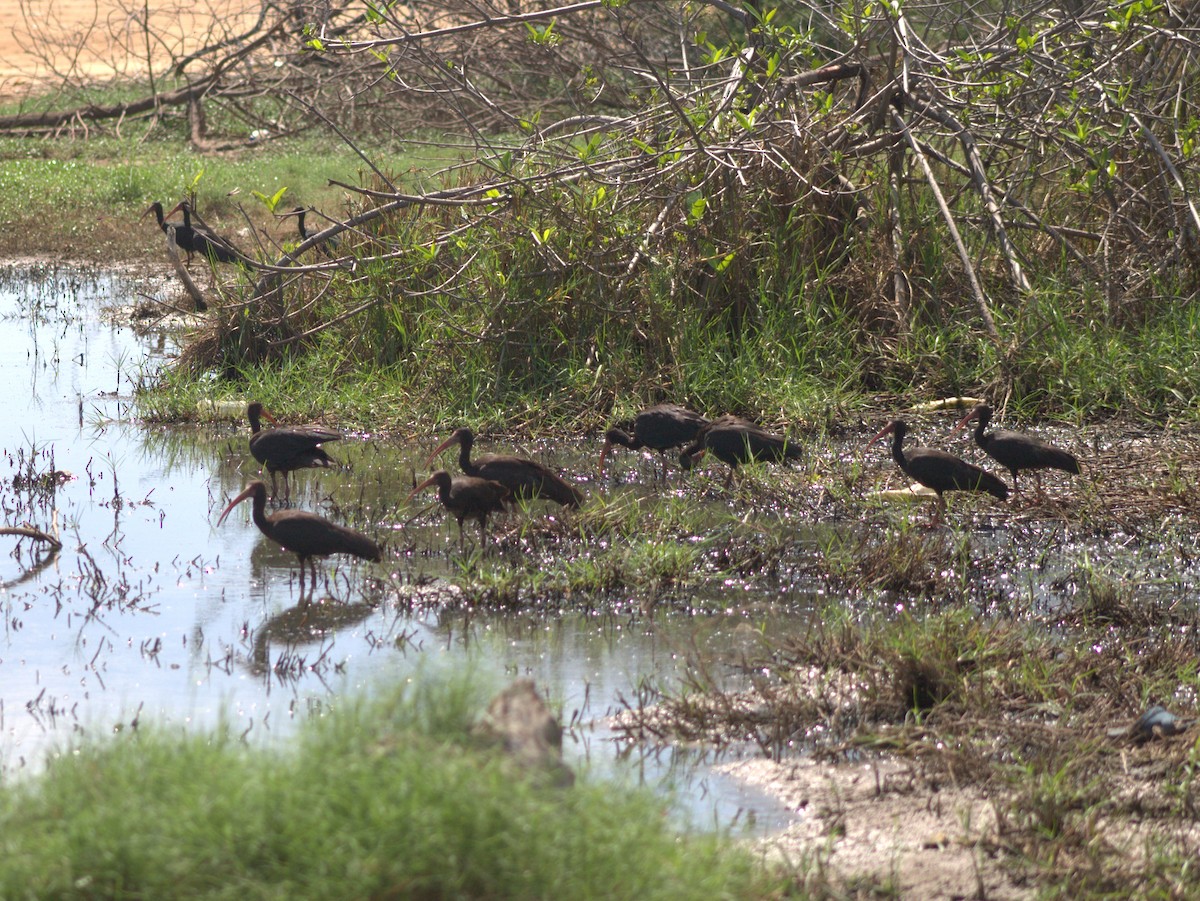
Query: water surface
151,613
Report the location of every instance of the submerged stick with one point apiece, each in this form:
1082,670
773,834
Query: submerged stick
31,532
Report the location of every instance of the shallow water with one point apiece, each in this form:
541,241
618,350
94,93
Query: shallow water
151,613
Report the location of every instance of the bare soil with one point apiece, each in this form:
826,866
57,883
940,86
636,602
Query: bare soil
44,42
881,826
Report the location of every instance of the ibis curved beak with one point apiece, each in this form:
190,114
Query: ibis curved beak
687,461
233,503
962,423
603,454
453,439
886,430
429,481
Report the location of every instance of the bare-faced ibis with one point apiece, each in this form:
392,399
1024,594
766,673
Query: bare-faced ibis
200,240
157,209
299,212
525,479
304,534
287,448
660,428
330,244
1015,451
737,441
467,497
937,469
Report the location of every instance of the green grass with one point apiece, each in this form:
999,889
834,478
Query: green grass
83,198
388,798
511,318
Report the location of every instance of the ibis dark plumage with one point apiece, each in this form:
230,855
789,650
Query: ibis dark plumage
937,469
1016,451
157,209
467,497
200,240
659,428
287,448
525,479
330,244
738,441
305,534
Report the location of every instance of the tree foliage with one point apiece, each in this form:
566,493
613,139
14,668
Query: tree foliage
631,162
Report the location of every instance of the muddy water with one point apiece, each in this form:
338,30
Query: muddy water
151,613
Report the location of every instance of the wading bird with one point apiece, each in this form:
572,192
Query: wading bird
660,428
328,246
202,241
467,497
525,479
737,441
304,534
1015,451
937,469
287,448
157,209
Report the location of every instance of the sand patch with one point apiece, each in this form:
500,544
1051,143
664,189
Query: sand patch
44,41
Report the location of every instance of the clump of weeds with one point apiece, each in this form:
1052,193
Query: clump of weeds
1039,719
907,559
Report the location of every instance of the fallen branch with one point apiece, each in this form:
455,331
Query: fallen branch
31,532
181,270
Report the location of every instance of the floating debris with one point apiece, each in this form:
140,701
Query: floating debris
948,403
914,492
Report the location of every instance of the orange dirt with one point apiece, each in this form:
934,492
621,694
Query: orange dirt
44,41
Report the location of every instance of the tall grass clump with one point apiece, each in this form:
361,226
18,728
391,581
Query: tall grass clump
391,797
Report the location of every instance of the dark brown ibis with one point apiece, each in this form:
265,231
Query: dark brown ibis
200,240
737,441
937,469
157,209
467,497
659,428
304,534
525,479
330,244
1016,451
299,212
287,448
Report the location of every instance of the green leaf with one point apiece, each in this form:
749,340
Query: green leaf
273,201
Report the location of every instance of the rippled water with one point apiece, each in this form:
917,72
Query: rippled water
150,612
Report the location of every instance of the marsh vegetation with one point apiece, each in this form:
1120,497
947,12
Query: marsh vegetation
813,217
